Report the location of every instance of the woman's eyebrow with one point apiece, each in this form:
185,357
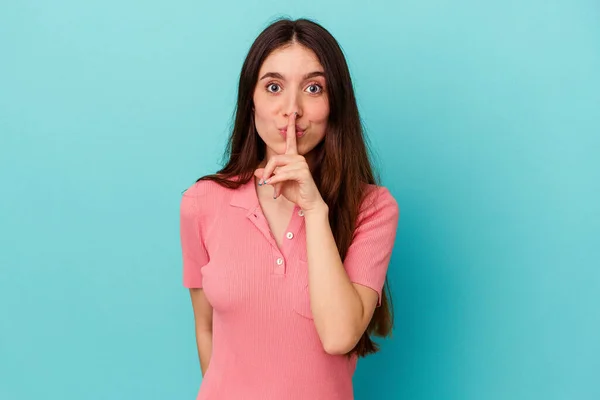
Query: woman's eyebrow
277,75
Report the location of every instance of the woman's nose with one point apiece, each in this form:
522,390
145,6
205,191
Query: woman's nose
293,104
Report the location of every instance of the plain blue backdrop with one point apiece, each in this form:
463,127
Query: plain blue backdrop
484,120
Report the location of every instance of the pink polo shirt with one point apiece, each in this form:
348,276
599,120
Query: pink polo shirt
265,344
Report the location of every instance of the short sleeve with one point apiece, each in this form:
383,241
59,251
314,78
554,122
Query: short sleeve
194,254
369,253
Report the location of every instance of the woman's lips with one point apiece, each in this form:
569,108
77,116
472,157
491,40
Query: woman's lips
284,133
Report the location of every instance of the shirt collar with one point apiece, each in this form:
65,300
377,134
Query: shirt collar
245,196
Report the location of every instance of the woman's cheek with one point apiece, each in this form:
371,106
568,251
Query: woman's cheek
323,111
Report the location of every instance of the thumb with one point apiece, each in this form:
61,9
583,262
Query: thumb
277,189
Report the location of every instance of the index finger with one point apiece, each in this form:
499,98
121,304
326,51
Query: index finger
291,146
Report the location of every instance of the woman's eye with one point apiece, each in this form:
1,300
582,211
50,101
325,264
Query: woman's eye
315,88
318,88
270,86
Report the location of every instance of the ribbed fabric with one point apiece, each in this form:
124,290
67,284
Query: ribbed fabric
265,344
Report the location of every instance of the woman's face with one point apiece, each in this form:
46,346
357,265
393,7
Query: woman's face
291,79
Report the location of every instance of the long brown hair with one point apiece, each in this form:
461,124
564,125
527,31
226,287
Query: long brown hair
341,165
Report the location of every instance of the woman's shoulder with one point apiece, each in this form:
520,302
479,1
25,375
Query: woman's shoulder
203,188
207,196
375,192
378,199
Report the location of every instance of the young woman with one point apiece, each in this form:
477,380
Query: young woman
286,249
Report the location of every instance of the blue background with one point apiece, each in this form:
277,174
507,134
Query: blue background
484,117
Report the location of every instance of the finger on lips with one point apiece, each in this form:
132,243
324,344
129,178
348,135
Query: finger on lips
291,147
277,161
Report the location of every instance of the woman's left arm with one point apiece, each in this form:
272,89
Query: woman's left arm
341,309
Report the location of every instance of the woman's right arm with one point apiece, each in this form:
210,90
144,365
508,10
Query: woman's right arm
203,320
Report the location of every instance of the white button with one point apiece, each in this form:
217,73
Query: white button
289,235
301,213
279,261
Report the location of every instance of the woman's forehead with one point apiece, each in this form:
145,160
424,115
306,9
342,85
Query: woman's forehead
293,62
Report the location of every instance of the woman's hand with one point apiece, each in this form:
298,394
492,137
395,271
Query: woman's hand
289,174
